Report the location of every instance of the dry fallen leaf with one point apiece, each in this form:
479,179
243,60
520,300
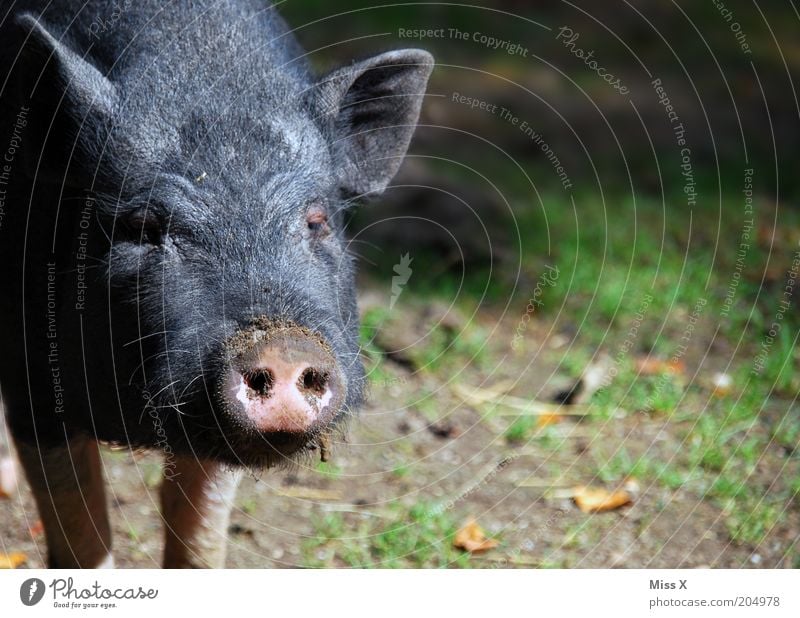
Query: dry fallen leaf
36,529
509,405
13,560
599,500
471,538
650,366
548,418
309,493
476,396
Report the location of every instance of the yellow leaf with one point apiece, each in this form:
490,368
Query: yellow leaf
548,418
650,366
12,561
471,538
599,500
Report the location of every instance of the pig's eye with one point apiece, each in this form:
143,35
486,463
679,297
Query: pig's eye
143,225
317,220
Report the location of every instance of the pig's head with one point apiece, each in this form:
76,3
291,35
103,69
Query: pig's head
218,200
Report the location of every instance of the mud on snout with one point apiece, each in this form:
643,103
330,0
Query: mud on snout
281,391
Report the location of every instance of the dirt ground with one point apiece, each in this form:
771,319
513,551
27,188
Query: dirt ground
457,458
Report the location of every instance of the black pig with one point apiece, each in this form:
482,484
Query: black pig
174,269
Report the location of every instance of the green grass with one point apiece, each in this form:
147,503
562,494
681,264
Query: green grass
438,349
786,432
521,429
401,471
615,257
328,470
249,505
751,522
414,537
646,469
780,368
726,437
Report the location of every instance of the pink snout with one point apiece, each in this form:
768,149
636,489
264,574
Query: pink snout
286,383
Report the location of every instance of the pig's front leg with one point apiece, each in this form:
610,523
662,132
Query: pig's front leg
67,484
196,500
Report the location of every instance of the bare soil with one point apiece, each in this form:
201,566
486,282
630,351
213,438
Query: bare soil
396,455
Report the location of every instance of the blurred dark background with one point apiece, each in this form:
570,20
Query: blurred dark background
728,74
474,175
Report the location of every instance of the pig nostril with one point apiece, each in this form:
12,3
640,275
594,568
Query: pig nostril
260,380
314,381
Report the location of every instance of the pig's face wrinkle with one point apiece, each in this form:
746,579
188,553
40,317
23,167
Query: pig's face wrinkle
211,274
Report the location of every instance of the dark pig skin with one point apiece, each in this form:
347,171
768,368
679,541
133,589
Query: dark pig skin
174,178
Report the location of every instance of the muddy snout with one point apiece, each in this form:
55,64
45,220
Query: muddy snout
283,380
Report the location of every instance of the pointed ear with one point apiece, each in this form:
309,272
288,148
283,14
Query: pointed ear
72,97
373,106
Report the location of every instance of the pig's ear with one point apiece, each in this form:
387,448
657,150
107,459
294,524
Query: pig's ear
374,106
72,96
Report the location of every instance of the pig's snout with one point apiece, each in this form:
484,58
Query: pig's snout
286,383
